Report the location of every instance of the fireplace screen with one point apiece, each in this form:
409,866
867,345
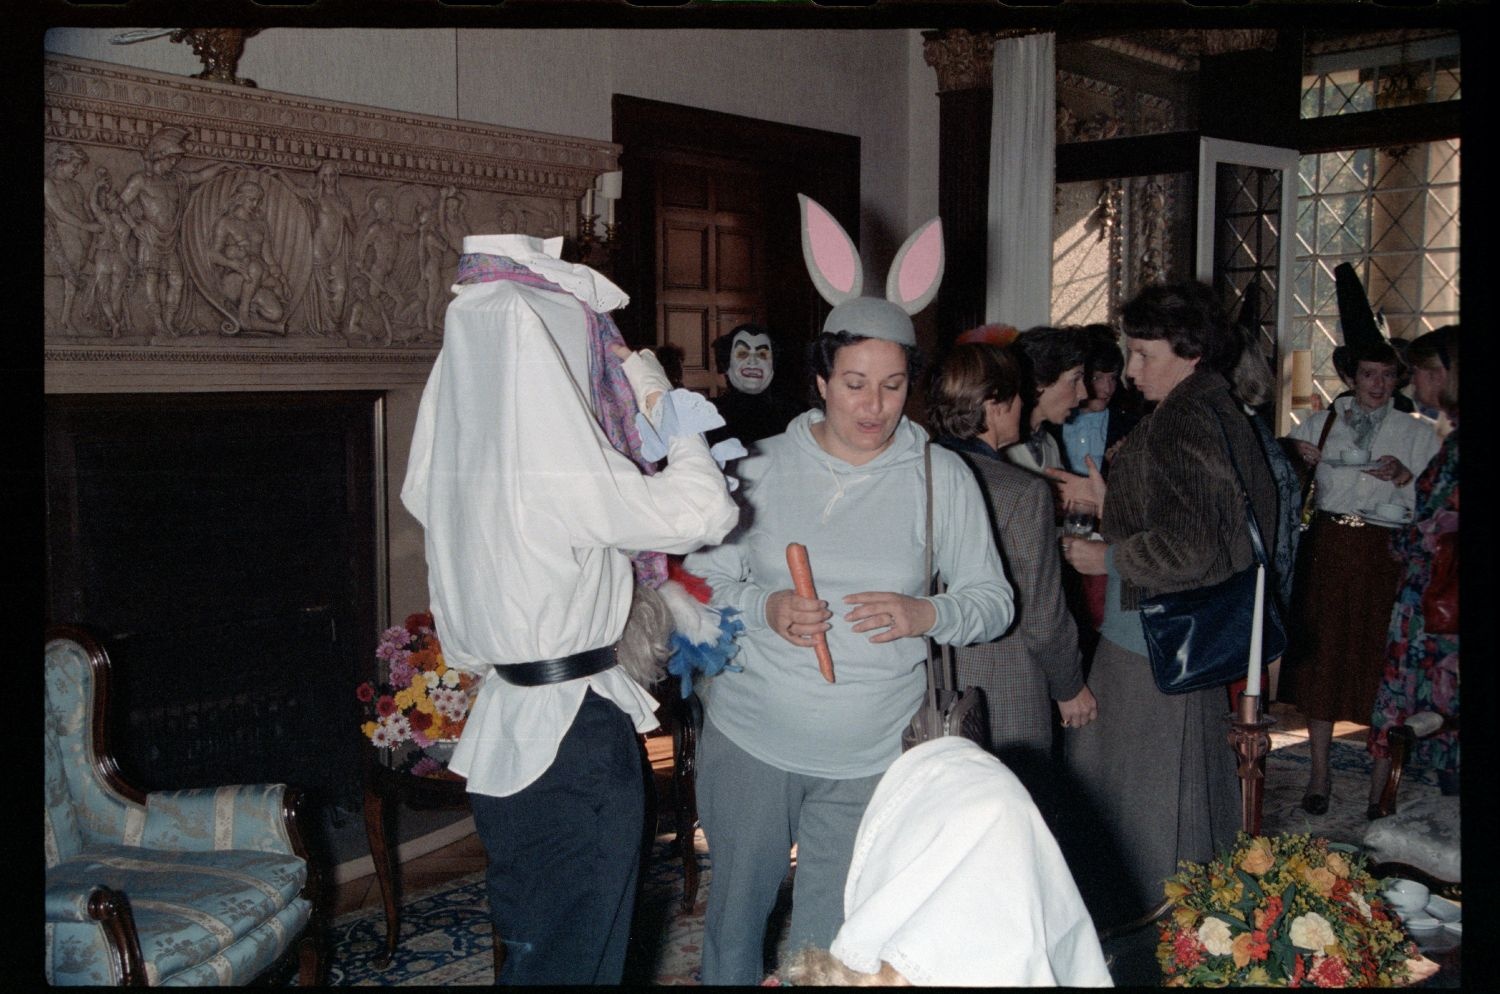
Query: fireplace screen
222,546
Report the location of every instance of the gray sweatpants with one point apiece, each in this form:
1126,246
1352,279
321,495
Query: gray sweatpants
752,812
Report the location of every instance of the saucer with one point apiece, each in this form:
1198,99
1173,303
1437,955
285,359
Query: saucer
1444,910
1353,465
1419,923
1368,513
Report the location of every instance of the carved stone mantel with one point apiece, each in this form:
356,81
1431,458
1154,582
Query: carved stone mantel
203,235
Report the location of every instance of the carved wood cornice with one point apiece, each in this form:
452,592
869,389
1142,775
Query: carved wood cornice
1181,50
964,59
207,232
95,103
1319,43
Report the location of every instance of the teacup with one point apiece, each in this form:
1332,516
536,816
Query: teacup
1407,896
1355,457
1391,512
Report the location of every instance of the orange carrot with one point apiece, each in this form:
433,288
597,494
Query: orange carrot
802,582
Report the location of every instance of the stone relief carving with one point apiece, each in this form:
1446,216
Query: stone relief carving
182,214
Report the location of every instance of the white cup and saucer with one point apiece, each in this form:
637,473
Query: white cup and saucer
1355,457
1387,513
1407,896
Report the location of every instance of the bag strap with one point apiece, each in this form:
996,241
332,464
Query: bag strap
936,675
1333,415
1257,543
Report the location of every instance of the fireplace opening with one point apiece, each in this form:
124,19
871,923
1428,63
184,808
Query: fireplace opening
224,548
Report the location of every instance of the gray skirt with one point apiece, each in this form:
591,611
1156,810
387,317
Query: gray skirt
1156,774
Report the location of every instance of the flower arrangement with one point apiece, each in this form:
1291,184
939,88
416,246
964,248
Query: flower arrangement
1283,911
422,701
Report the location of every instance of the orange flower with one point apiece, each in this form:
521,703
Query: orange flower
1320,878
1258,858
1240,950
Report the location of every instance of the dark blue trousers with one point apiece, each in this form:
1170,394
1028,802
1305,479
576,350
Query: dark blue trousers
564,855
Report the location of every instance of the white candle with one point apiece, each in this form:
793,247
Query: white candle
1257,623
609,206
588,203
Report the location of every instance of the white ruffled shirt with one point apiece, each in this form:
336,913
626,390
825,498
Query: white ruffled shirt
1409,437
527,509
957,882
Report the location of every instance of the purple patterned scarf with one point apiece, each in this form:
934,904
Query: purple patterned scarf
609,389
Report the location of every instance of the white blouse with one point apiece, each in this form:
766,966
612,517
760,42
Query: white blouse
1411,438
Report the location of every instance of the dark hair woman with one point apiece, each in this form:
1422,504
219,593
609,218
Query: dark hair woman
785,755
974,406
1365,455
1155,766
1052,361
1421,660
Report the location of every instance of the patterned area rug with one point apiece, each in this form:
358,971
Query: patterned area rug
445,932
446,940
1286,781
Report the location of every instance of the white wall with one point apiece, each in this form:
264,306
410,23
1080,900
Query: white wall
868,83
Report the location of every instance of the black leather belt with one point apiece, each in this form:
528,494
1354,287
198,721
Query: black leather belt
544,671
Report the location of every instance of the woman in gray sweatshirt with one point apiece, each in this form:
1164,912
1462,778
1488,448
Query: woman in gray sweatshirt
785,755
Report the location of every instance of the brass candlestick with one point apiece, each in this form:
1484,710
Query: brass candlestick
1249,735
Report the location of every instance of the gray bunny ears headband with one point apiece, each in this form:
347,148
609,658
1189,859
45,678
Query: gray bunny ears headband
834,265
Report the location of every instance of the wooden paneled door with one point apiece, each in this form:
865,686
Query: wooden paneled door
710,241
709,227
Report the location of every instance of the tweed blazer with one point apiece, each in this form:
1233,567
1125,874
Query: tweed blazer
1174,514
1036,661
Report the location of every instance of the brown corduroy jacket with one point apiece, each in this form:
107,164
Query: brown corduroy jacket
1174,512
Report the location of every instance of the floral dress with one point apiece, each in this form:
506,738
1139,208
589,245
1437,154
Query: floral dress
1421,670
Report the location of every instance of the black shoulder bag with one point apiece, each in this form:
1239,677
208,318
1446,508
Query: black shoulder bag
1201,638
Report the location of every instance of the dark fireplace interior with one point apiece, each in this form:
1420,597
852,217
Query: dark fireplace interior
223,548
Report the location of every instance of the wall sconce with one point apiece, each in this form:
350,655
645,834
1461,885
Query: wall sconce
591,242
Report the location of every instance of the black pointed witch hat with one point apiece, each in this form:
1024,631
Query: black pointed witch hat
1363,338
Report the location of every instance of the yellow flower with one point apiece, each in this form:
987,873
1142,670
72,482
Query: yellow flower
1257,977
425,705
1185,917
407,696
1337,865
1258,859
1175,889
1320,878
369,728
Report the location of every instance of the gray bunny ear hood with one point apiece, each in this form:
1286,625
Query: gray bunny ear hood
837,273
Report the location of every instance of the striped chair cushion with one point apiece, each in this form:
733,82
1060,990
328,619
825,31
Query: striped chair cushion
192,909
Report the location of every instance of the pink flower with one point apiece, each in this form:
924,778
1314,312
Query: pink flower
365,692
401,673
1329,971
385,706
1187,950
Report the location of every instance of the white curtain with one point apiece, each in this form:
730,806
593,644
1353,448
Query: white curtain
1023,141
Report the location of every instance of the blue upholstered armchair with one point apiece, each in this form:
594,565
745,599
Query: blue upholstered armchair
188,887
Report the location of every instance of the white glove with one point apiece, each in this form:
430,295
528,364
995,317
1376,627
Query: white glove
648,380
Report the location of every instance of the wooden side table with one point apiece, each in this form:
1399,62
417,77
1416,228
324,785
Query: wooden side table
385,791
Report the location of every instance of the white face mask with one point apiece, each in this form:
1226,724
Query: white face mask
750,362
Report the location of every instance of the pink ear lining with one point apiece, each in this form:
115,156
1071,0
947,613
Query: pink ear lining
830,248
922,263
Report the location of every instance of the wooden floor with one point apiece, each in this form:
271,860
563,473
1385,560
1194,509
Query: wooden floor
467,855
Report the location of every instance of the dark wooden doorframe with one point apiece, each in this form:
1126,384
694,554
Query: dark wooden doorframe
822,164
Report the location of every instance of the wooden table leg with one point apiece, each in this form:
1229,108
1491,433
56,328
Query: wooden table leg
684,794
380,854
